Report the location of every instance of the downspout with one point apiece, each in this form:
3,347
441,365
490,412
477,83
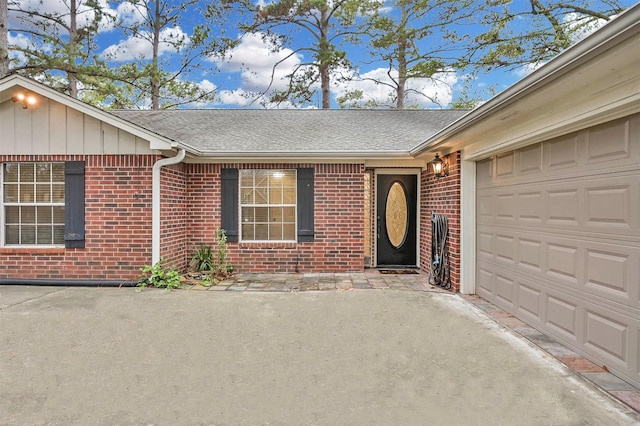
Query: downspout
155,203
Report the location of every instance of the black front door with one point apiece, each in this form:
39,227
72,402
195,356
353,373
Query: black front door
396,223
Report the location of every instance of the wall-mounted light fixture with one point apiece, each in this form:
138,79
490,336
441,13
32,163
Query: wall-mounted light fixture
440,168
27,100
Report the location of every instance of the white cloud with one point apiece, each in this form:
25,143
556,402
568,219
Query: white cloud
263,67
85,14
423,92
130,15
140,47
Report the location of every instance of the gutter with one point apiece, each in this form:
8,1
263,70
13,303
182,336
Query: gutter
155,203
613,33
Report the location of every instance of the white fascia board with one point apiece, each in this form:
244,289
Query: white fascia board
157,142
196,156
619,29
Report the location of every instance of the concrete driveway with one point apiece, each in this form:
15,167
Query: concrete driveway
109,356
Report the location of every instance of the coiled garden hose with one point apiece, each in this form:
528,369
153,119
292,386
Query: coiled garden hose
440,273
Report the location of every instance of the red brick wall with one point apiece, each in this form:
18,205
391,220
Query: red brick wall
173,216
339,221
441,196
117,224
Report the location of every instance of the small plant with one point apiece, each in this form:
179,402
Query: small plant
206,259
158,276
221,251
202,260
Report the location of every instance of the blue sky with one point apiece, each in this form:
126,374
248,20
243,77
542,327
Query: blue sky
249,67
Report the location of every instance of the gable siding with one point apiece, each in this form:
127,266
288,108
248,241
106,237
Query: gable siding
51,128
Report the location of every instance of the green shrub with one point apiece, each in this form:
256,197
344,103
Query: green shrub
158,276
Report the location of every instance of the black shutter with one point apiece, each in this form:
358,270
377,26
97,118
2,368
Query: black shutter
230,204
74,204
305,205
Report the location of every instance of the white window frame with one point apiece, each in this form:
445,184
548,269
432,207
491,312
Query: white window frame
4,205
268,205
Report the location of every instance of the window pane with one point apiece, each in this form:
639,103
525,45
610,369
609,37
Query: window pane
248,214
27,172
247,232
58,172
27,194
275,231
12,214
262,232
10,193
44,214
262,214
246,178
289,214
58,234
11,172
28,234
261,196
43,172
58,194
289,231
43,193
58,214
275,195
261,178
45,234
246,195
289,196
28,214
275,214
289,179
12,234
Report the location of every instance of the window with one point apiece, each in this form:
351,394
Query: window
268,205
33,203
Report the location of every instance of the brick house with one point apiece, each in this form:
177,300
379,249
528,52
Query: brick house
542,191
92,196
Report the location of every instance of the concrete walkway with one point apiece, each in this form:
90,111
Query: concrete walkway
123,356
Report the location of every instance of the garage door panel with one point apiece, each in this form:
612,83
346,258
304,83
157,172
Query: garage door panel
530,254
562,315
531,206
530,302
529,160
609,273
505,165
485,283
563,261
607,335
561,153
610,141
559,244
505,290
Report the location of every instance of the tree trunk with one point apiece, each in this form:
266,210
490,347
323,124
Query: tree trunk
402,63
73,43
4,40
155,74
325,81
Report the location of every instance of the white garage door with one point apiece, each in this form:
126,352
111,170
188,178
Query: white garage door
558,240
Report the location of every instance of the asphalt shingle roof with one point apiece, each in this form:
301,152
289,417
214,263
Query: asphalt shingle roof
301,131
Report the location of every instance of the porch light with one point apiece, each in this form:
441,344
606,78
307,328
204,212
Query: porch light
27,100
440,168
